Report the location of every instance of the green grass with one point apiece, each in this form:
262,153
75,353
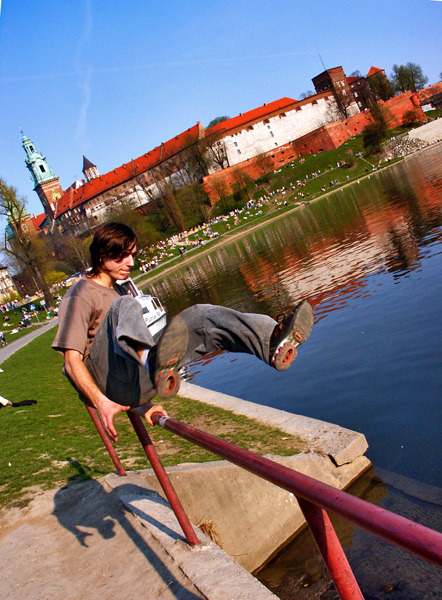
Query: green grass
47,444
14,316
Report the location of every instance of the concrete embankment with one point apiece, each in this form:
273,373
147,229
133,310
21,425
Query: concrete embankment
430,132
250,518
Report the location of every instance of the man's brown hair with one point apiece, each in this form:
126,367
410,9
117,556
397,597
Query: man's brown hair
114,241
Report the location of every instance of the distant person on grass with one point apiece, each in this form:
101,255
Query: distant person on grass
112,359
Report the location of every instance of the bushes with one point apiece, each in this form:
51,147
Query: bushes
373,135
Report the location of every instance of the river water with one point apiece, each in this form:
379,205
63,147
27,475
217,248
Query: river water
369,260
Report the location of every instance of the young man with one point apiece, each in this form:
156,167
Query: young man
112,359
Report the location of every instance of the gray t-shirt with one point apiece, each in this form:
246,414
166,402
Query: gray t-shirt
81,312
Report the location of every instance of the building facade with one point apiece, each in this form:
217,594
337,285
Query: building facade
281,130
6,284
273,125
46,182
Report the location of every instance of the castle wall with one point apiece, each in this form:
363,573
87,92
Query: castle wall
277,130
322,139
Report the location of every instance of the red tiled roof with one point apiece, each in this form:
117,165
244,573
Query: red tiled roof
374,70
38,220
252,115
353,79
429,92
75,197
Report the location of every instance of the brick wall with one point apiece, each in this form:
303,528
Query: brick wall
324,138
425,96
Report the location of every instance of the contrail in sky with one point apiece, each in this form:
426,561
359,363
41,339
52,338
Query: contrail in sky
84,71
178,63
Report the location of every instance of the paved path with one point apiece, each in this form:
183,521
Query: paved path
11,348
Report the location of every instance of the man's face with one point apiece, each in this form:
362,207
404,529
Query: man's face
119,268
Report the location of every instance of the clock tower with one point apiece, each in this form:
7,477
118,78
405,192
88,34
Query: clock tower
45,181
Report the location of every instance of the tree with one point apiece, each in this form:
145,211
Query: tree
264,164
380,86
242,183
372,137
76,252
194,204
25,246
56,277
216,150
160,185
217,120
198,160
408,77
381,114
344,102
219,191
306,94
356,73
410,117
338,107
167,200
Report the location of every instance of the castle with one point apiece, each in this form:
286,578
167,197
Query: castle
281,131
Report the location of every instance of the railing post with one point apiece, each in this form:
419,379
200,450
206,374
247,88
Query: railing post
106,441
163,478
331,550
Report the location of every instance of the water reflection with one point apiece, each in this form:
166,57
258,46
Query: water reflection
323,250
382,570
368,259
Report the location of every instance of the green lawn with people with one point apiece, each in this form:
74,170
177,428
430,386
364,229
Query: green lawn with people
54,441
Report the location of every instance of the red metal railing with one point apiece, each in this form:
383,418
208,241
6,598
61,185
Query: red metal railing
163,478
315,498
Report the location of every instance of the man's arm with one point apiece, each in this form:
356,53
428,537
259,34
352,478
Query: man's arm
82,379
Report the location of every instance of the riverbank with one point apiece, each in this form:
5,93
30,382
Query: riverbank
432,136
123,538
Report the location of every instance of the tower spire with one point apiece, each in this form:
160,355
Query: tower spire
89,169
45,181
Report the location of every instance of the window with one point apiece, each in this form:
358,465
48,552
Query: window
272,134
235,143
42,169
239,151
31,148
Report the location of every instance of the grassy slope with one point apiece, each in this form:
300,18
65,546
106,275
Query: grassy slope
54,441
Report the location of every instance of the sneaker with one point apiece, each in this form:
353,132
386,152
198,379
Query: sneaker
292,330
169,351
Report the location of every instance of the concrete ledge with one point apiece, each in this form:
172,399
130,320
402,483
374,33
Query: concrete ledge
340,444
252,518
215,574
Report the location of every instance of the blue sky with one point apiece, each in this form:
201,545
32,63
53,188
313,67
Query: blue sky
112,80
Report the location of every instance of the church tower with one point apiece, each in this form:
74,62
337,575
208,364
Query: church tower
89,169
45,181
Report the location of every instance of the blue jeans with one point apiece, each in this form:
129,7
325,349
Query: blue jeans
115,366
